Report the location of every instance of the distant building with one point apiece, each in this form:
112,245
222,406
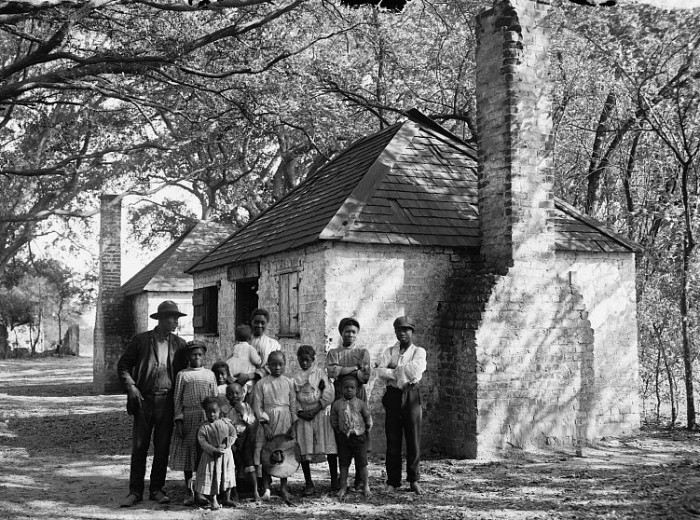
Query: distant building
124,310
164,278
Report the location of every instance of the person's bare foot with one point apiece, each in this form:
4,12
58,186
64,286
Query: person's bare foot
389,489
341,495
228,502
366,492
309,490
160,497
215,503
189,498
130,500
201,500
415,487
266,495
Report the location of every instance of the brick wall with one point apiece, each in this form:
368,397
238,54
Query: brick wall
607,285
520,363
112,324
376,284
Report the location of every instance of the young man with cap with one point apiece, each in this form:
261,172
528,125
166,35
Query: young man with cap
401,366
147,370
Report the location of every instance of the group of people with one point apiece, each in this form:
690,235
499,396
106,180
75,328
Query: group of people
241,413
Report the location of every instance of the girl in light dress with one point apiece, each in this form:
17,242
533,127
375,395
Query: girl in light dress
314,432
275,406
216,472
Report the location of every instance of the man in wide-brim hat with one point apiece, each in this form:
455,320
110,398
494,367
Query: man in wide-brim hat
147,370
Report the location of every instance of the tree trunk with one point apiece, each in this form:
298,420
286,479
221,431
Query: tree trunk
657,390
688,246
687,354
669,376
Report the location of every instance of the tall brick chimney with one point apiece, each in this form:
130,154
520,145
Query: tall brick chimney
110,303
514,124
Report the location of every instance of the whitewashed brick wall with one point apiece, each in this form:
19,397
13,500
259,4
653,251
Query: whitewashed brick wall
607,285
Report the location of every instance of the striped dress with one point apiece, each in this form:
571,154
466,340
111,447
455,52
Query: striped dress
191,387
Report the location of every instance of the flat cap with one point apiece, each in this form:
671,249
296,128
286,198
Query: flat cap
404,321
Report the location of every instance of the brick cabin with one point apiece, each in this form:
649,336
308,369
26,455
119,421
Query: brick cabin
526,307
391,227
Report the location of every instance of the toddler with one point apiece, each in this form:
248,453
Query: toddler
216,473
243,418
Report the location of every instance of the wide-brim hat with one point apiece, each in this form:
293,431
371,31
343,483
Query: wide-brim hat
280,456
167,308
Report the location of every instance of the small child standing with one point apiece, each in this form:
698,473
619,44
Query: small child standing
216,472
314,432
275,406
244,360
243,418
192,385
351,421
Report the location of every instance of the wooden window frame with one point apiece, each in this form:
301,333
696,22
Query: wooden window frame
205,302
288,304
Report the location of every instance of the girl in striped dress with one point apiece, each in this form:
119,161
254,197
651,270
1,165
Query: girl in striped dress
192,385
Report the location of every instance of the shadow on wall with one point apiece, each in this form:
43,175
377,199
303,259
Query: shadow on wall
535,359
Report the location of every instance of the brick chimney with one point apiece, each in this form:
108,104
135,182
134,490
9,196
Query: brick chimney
514,123
109,318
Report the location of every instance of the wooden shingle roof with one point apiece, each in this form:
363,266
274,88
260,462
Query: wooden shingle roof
413,183
166,272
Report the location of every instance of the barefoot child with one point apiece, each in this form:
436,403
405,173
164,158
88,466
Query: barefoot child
275,406
243,418
351,421
315,394
216,473
192,385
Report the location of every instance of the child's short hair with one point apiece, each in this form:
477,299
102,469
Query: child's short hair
243,333
306,350
232,386
209,400
277,353
349,377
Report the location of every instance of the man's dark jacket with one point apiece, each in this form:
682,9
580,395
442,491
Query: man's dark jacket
139,358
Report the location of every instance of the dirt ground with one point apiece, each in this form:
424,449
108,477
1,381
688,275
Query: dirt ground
64,454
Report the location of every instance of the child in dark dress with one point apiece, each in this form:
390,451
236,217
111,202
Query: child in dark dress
243,417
